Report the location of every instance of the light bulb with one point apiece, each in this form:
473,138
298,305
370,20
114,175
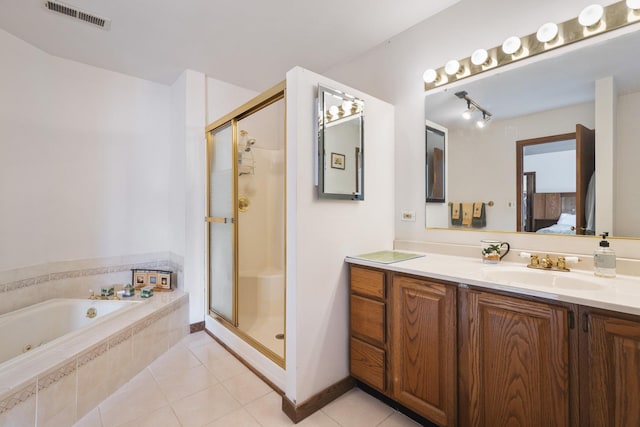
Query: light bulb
511,45
452,67
590,15
334,110
467,114
547,32
430,76
486,118
633,4
479,56
346,106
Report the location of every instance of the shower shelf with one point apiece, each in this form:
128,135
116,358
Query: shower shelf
246,164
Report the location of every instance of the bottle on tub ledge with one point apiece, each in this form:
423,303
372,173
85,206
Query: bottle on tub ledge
146,292
129,290
604,259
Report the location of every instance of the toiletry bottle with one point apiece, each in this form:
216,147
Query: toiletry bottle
604,259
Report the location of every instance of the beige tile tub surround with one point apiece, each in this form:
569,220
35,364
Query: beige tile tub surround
26,286
60,386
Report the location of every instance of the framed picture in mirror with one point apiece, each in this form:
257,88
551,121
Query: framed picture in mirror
337,161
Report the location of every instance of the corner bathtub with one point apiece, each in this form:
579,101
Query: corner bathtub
62,364
34,328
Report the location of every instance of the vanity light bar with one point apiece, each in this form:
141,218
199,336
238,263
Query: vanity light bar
549,36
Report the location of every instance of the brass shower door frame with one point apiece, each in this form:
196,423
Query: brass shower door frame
261,101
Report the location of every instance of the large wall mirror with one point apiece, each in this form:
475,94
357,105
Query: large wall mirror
595,86
340,145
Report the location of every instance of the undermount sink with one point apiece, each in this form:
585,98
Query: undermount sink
539,278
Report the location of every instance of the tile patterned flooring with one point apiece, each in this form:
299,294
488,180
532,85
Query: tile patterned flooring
198,383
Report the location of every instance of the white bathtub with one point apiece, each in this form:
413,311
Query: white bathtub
31,329
82,360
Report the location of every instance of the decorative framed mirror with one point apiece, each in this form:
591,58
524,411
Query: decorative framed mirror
340,145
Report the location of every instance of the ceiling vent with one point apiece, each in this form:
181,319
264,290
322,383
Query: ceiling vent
76,13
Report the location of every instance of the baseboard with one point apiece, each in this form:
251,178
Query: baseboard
245,363
196,327
395,405
299,412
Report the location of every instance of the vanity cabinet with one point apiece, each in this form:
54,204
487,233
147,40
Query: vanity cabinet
461,355
610,368
515,361
423,331
368,352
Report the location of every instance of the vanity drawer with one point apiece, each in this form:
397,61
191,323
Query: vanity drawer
367,363
367,282
368,319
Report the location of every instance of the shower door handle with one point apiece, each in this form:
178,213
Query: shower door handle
219,220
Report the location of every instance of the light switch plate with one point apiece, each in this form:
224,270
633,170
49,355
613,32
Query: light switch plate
408,216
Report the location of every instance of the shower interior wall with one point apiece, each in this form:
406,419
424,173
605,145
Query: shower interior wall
261,227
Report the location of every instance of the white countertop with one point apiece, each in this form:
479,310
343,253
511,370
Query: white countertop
621,293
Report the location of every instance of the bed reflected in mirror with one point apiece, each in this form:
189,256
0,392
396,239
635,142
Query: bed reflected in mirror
555,176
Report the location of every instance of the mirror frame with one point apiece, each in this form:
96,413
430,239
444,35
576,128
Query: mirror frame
432,183
358,194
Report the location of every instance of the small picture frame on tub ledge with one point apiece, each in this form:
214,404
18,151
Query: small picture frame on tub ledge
160,280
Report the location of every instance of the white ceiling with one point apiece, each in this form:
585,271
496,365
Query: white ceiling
250,43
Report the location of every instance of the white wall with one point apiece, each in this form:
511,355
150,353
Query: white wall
223,98
188,103
393,72
484,160
555,172
85,161
627,170
321,232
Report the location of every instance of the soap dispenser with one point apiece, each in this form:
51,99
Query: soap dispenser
604,259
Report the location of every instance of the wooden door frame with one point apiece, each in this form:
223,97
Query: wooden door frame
519,158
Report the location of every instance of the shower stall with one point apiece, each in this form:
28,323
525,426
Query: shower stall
246,222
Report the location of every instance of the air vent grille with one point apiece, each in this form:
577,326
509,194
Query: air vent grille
74,12
91,19
61,8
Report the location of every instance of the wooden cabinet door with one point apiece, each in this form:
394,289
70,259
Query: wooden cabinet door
610,369
514,362
423,348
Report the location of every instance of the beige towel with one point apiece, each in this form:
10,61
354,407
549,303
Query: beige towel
467,213
455,211
477,209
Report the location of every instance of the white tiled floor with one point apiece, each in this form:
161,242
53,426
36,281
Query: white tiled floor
198,383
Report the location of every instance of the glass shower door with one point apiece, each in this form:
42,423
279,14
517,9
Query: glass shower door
221,223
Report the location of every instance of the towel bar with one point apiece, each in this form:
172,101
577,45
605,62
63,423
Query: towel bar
489,203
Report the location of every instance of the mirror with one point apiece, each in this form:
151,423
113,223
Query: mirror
554,174
435,162
340,145
543,98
